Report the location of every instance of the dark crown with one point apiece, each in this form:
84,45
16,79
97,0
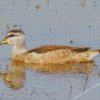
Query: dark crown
16,31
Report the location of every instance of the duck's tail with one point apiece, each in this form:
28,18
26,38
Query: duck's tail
98,50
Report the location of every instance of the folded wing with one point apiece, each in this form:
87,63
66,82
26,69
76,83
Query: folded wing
48,48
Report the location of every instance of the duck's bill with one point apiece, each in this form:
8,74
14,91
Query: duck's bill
4,41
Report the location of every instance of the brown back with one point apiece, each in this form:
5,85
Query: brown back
47,48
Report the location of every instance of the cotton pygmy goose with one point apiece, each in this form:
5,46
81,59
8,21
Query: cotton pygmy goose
46,54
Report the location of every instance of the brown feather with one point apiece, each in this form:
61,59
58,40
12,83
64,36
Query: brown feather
82,50
47,48
98,50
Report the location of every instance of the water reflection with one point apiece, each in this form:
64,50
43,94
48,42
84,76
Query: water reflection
85,68
15,79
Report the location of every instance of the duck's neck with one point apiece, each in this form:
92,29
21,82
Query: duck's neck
18,50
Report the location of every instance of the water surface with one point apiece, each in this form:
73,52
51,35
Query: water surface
60,22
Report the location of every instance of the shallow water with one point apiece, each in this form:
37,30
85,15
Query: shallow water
21,81
63,22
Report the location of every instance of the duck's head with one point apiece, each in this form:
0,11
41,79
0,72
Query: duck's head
14,37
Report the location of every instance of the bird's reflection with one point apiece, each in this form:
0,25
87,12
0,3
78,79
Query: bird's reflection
15,79
84,68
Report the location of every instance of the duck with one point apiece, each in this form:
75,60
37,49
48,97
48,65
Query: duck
55,54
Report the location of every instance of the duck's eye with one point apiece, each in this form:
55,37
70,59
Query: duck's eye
12,35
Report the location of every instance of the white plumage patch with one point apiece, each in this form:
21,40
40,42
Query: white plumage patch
93,54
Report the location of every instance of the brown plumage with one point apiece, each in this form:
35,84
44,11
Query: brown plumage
98,50
47,48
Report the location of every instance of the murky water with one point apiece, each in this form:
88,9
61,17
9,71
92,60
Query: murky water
63,22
